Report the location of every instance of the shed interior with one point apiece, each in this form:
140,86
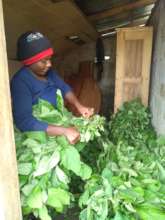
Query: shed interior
74,27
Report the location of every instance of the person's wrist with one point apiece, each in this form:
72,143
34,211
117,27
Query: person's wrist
79,107
63,131
55,130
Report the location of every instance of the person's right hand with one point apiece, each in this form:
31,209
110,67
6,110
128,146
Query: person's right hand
72,135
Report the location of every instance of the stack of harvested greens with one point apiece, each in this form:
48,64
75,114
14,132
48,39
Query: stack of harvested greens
118,169
45,164
132,125
130,182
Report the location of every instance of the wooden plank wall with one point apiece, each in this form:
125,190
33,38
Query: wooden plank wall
9,189
134,46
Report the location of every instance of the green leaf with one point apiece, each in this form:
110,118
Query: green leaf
148,212
27,189
60,101
37,135
70,159
35,199
118,216
161,141
46,164
61,175
83,215
55,203
79,146
53,117
128,195
87,136
43,214
107,174
85,171
43,106
84,199
22,180
62,141
107,188
26,210
162,172
24,155
33,145
24,168
57,198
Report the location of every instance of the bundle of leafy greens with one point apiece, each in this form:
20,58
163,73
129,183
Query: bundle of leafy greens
46,164
132,124
130,181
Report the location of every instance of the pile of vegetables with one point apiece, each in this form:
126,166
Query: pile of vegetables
130,182
115,172
46,164
132,125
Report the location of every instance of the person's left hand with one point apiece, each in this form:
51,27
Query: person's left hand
85,111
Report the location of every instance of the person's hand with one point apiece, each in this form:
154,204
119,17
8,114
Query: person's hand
80,109
85,111
72,135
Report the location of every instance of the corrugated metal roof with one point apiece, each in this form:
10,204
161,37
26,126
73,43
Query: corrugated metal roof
106,15
90,7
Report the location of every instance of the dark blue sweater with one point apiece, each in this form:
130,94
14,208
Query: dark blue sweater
26,89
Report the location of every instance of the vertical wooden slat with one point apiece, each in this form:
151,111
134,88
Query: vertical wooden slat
147,51
9,189
119,66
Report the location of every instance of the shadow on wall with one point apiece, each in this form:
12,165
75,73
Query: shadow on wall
13,67
107,89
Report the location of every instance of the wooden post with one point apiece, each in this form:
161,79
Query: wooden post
10,208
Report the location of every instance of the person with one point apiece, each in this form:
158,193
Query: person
36,79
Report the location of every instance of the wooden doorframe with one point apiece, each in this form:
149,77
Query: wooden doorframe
10,208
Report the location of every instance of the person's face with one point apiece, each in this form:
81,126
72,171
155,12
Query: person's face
41,67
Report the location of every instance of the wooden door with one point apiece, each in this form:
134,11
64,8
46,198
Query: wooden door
134,47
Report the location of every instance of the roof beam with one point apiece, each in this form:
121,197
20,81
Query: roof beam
120,9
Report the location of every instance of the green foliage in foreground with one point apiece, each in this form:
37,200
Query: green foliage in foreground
118,171
130,181
130,184
46,164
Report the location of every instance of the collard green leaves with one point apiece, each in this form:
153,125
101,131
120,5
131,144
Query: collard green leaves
131,170
127,159
46,164
132,124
